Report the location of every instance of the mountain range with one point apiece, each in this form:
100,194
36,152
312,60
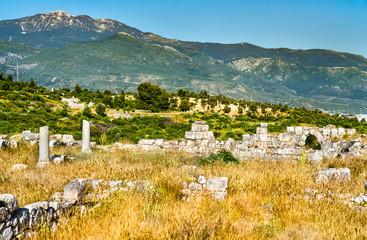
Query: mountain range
59,50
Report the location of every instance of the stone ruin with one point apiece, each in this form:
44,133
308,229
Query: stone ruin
288,145
74,103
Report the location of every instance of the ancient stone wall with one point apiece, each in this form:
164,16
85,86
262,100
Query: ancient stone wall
262,144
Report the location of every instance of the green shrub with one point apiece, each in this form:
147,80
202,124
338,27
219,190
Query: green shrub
221,156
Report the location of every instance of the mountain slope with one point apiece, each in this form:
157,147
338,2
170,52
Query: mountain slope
56,29
121,62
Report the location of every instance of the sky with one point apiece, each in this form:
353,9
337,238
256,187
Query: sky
340,25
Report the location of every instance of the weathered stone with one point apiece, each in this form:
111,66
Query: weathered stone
3,214
14,143
28,136
113,184
67,138
290,129
298,130
94,183
58,196
9,201
158,142
146,142
202,179
217,184
7,233
74,191
18,167
332,174
263,125
260,130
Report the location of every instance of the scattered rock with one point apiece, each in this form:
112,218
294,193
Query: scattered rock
332,175
74,191
9,201
18,167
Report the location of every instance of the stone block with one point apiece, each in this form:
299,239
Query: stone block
298,130
262,137
9,201
260,130
217,184
198,135
74,191
263,125
18,167
190,135
67,138
29,136
351,131
290,129
332,175
246,137
146,142
341,132
14,143
158,142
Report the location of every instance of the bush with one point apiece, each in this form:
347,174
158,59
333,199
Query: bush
221,156
101,109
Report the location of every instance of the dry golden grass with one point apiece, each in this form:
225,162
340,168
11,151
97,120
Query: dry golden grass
262,198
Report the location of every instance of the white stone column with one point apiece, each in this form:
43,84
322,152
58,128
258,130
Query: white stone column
44,152
86,137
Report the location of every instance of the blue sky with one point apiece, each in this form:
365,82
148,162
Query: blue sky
298,24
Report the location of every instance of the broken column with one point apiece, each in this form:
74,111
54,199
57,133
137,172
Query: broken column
86,137
44,152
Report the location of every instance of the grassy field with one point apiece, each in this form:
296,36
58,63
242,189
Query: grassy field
265,199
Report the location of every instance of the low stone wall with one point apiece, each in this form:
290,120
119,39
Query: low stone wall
262,145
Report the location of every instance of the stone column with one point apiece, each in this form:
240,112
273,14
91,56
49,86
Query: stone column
86,137
44,152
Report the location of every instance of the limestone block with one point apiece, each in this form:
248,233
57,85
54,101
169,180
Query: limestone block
74,191
146,142
326,132
298,130
315,157
3,214
158,142
190,135
332,174
18,167
260,130
334,132
263,125
209,135
351,131
217,184
290,129
262,137
285,137
67,138
56,136
4,137
198,135
9,201
14,143
246,137
28,136
341,132
6,234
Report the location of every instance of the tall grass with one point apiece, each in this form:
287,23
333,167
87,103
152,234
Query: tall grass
264,198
